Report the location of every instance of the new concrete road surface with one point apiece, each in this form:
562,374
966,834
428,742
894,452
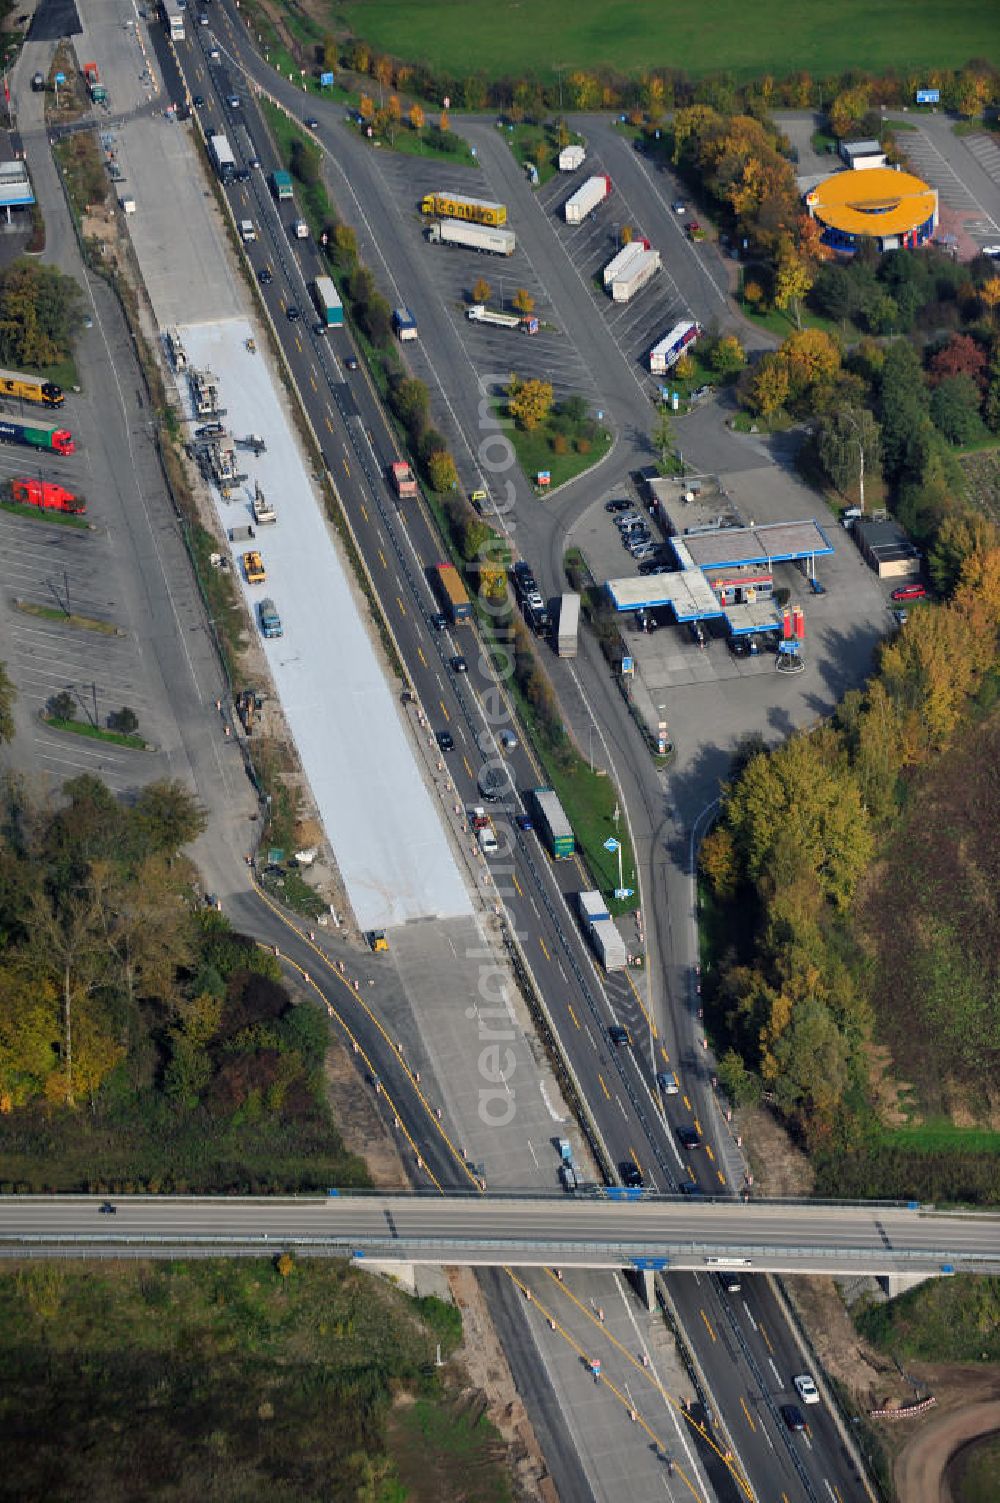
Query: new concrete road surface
386,834
602,1231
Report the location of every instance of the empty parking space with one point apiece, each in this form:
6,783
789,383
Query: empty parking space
930,162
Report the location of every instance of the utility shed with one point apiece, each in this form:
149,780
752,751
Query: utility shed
886,548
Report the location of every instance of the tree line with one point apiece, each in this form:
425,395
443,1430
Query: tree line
821,887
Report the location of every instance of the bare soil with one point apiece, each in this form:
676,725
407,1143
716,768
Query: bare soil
778,1167
360,1125
920,1467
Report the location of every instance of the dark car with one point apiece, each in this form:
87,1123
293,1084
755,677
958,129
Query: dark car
619,1035
621,503
107,1209
688,1137
739,647
243,175
793,1416
265,276
292,313
351,363
631,1175
439,621
320,329
446,741
199,101
523,822
697,633
729,1283
312,123
689,1188
679,206
458,664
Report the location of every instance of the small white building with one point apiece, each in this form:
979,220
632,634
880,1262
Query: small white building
862,154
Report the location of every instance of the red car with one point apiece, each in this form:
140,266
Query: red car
909,592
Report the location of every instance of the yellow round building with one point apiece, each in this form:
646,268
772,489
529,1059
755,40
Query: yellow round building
893,209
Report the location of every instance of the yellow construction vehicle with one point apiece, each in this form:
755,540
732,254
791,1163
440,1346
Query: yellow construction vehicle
253,566
377,941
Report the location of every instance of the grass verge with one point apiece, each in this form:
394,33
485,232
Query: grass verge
43,514
68,618
95,732
535,451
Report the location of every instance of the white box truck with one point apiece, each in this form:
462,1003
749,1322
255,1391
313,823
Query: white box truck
626,257
586,198
609,945
492,239
569,626
635,276
570,158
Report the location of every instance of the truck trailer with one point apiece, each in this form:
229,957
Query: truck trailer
452,594
571,157
586,198
664,355
555,828
633,277
31,389
37,435
222,156
569,626
479,314
47,495
281,184
474,210
599,928
478,237
328,304
620,263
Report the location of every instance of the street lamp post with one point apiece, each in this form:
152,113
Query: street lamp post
854,419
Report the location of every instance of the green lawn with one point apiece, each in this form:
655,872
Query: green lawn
939,1135
777,38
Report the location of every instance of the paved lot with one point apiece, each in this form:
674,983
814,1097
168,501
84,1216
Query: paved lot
113,39
964,187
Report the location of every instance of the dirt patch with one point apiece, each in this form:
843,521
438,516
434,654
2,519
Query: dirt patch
889,1096
871,1378
360,1125
484,1360
778,1167
919,1472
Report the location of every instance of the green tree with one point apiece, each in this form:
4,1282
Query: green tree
167,816
8,698
62,706
346,243
955,409
305,162
125,721
663,437
847,446
727,356
812,1058
411,402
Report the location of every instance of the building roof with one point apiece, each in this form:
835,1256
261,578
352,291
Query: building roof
880,201
15,186
775,543
861,149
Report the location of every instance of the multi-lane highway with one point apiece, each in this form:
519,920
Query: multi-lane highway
492,1231
745,1343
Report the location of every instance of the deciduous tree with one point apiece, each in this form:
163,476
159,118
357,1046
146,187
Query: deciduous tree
769,386
8,698
441,471
529,402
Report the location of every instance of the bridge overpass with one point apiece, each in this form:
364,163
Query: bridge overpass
609,1230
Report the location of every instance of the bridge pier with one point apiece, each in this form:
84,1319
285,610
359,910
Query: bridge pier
898,1283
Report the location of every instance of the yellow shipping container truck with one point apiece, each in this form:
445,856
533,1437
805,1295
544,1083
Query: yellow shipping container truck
478,210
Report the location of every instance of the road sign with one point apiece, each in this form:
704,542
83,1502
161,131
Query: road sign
326,80
654,1264
60,78
928,96
623,892
611,844
627,665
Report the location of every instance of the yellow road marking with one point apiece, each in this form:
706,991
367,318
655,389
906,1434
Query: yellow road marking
666,1056
746,1411
312,378
573,1014
697,1127
635,1160
767,1342
686,1102
329,425
402,607
420,651
708,1150
382,557
603,1086
722,1177
544,948
708,1325
347,470
444,712
467,767
517,885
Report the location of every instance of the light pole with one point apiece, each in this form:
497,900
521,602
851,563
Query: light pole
855,420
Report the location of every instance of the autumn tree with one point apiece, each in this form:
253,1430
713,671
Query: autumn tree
847,110
441,471
523,301
346,242
482,291
416,117
960,355
366,107
989,296
395,109
444,124
727,355
792,280
961,535
529,402
769,385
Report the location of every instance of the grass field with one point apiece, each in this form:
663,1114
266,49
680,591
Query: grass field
777,38
225,1382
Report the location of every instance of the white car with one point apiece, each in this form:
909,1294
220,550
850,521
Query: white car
806,1389
990,250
